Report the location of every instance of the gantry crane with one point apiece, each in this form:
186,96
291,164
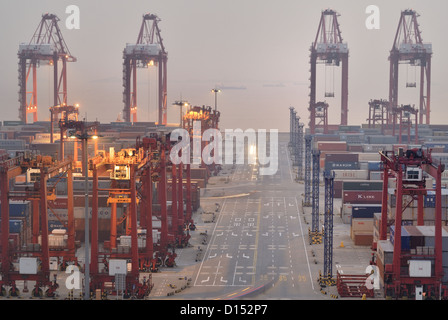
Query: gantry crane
136,174
148,51
408,169
208,118
36,258
408,48
66,112
68,127
378,113
46,47
404,114
124,170
328,48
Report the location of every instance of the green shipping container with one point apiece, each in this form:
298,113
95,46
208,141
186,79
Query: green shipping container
362,185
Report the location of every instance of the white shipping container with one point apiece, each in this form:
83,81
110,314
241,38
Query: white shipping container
385,251
351,174
57,241
28,265
420,268
46,136
117,266
125,241
156,236
375,148
156,224
376,175
368,156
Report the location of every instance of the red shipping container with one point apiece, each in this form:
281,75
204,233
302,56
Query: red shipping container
60,203
341,157
355,148
332,146
362,197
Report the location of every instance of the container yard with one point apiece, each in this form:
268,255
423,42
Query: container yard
151,190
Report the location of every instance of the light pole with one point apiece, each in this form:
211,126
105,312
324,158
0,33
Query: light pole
181,104
216,97
84,137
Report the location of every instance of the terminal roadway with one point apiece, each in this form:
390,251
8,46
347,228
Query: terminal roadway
258,240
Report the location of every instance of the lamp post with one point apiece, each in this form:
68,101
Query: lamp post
181,104
215,91
84,136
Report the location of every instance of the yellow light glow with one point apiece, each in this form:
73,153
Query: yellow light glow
94,137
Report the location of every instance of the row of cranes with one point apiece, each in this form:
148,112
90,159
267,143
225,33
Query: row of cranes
408,48
405,174
142,179
47,47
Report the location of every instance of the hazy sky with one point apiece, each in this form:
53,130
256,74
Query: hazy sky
261,46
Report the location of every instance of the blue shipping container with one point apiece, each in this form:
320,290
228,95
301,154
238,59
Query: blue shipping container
19,209
55,225
405,238
436,145
375,166
15,226
363,211
430,201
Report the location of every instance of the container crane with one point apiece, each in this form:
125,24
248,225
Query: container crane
408,168
378,113
46,47
209,119
146,52
33,264
329,48
408,48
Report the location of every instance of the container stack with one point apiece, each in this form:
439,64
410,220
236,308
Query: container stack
20,218
410,213
360,201
418,243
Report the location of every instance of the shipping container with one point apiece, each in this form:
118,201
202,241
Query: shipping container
385,251
362,225
369,156
355,148
330,145
361,197
375,148
382,139
362,185
405,238
341,165
19,208
439,145
365,210
340,157
325,137
362,239
12,144
15,226
375,165
376,175
353,137
351,175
